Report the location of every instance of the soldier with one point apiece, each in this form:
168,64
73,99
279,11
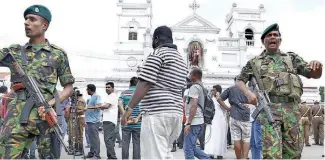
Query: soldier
44,62
306,117
278,75
318,123
79,125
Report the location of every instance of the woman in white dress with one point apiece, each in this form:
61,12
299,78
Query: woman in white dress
216,133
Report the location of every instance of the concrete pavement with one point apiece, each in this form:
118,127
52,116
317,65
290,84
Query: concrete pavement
313,152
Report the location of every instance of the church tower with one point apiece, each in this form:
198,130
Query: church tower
248,23
133,42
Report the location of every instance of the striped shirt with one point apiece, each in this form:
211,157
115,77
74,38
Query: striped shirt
125,97
165,68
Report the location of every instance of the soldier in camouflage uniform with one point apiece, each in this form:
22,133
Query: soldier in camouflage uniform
279,72
44,62
77,125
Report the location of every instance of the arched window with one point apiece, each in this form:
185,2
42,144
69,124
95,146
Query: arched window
249,35
133,30
133,36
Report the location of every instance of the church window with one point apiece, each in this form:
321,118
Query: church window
133,36
133,30
249,35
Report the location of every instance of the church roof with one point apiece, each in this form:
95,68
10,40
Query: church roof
195,23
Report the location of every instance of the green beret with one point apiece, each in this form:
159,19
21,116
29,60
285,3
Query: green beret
39,10
273,27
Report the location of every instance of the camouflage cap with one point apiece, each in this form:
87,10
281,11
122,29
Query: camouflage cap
273,27
39,10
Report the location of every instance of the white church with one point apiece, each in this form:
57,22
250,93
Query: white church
221,58
198,40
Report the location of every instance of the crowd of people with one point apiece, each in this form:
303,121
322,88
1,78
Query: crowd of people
167,104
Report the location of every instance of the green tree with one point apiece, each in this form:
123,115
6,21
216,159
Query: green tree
321,93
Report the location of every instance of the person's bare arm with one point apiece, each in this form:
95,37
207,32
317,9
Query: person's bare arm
223,104
105,106
121,107
66,93
242,87
193,104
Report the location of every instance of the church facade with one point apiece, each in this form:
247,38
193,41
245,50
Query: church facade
198,40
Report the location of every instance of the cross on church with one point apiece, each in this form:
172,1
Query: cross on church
194,6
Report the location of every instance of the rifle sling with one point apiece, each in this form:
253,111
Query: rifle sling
257,76
305,113
318,111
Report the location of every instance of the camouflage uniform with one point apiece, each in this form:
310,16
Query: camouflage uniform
286,109
78,126
45,65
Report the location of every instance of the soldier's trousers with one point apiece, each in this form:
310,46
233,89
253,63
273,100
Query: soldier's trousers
15,138
318,127
306,128
283,140
79,132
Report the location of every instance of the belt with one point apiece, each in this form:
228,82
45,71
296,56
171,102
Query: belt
317,116
81,116
18,86
304,117
281,99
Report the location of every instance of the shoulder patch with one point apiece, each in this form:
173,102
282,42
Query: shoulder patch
58,48
292,53
14,46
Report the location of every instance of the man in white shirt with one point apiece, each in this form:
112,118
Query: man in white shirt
110,111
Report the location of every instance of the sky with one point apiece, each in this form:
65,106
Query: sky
87,27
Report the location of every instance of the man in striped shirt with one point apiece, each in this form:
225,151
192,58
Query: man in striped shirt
160,91
133,126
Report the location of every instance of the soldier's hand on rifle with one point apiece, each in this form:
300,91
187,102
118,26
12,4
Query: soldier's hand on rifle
42,114
252,99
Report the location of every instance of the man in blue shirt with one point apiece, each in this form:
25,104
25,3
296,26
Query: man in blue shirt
93,117
133,126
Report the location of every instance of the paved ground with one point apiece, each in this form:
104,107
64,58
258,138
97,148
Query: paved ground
313,152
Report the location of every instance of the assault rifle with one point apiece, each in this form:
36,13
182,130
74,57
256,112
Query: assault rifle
263,102
263,98
36,98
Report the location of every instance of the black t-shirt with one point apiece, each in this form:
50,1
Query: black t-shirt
236,99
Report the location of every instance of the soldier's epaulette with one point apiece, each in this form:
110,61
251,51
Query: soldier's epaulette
15,46
58,48
292,54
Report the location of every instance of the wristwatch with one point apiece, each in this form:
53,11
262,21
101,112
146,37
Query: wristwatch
188,124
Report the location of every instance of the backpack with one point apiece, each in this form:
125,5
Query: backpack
208,109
